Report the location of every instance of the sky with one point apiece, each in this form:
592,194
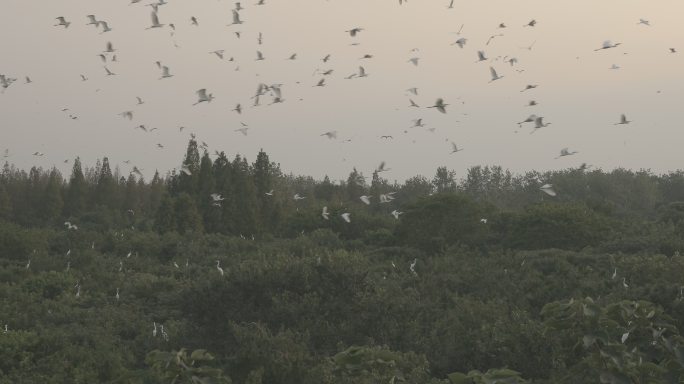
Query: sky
577,92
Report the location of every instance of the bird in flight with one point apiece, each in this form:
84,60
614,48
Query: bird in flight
607,45
202,96
455,148
346,217
354,31
548,189
155,21
461,42
623,120
439,104
494,75
236,17
565,152
325,213
538,124
62,22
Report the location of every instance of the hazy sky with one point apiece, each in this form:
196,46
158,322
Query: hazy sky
577,92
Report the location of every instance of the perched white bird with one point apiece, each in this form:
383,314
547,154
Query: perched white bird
624,283
412,267
218,267
117,294
548,189
325,213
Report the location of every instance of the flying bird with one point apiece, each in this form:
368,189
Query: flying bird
155,21
538,124
623,120
62,22
455,148
494,75
548,189
439,104
565,152
607,45
165,73
202,96
461,42
236,17
92,20
346,217
354,31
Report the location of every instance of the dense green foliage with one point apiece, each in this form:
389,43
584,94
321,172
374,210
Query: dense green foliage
481,280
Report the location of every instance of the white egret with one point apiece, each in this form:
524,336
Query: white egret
439,104
494,75
623,120
203,96
548,189
62,22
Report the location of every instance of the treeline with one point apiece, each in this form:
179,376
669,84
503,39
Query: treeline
481,279
256,200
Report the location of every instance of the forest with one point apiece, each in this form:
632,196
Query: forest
231,271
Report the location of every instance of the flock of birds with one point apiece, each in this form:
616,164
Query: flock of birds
109,57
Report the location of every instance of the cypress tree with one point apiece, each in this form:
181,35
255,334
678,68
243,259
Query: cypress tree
77,191
52,202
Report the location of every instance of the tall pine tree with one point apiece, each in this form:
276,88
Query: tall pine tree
77,191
